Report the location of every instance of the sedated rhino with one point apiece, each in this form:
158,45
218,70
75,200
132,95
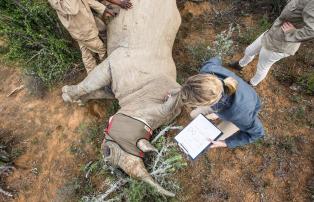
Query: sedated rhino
139,72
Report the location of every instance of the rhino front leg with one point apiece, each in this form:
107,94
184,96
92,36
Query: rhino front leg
104,93
95,80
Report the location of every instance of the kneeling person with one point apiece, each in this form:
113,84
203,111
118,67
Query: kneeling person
218,90
77,17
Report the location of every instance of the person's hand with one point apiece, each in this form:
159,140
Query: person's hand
287,27
125,4
212,116
219,143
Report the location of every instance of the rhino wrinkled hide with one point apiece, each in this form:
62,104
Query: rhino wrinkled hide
130,164
139,70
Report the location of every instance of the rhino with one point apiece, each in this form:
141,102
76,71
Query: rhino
139,72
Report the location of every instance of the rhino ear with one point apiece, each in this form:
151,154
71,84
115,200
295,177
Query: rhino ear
111,152
174,91
146,146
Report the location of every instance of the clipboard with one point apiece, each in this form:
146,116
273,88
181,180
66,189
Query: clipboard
194,138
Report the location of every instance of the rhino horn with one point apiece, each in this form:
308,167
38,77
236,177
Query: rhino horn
131,165
146,146
135,167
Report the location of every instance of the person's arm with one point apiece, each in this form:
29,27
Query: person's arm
97,6
201,110
250,131
66,7
307,32
214,66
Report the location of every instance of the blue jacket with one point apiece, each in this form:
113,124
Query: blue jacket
242,109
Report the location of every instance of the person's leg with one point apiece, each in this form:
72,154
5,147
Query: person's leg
96,45
228,129
251,51
87,57
266,59
102,29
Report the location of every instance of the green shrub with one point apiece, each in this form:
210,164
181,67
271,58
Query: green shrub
278,5
221,46
36,39
253,32
308,83
199,52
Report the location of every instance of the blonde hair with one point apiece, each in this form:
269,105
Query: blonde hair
205,90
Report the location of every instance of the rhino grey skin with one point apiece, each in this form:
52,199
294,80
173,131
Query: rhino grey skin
139,70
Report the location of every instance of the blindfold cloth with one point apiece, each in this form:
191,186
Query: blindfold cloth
126,132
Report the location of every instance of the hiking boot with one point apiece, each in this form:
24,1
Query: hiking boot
249,82
235,65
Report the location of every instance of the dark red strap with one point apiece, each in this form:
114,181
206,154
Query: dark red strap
107,130
141,154
149,133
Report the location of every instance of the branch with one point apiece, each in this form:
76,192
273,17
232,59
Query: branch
15,90
118,184
163,132
6,193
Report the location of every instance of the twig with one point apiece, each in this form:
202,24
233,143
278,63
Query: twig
88,168
6,169
117,198
163,132
6,193
35,55
158,158
121,182
15,90
161,170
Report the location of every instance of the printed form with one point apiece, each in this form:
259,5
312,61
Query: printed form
195,137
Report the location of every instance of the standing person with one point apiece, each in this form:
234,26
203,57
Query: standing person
218,90
294,25
77,17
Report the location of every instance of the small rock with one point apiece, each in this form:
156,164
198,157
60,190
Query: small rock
295,87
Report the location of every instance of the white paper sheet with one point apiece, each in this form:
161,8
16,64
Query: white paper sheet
194,138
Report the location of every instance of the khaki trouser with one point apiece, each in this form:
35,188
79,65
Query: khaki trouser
88,49
228,129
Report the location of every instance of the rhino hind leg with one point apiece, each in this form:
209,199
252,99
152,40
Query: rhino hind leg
131,165
98,78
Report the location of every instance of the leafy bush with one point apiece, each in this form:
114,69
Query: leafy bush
307,82
221,46
199,53
277,5
36,39
252,33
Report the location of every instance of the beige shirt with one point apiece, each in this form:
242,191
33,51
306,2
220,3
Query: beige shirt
301,14
77,17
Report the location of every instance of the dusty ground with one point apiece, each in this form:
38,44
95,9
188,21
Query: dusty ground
53,150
